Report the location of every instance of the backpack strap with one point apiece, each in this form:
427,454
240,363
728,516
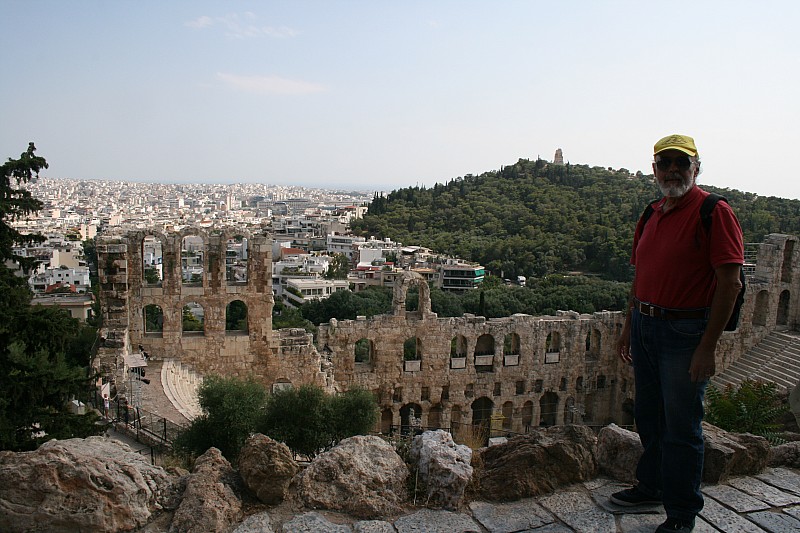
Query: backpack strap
709,203
648,211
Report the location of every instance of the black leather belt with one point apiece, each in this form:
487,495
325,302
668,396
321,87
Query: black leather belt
663,313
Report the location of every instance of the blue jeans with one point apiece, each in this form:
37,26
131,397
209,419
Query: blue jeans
669,411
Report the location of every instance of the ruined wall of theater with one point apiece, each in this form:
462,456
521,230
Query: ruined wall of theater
124,294
588,383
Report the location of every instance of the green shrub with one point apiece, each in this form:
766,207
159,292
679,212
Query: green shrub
752,408
231,408
309,421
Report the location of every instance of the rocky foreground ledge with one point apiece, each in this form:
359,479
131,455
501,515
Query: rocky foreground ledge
555,479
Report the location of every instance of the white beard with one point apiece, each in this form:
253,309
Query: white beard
674,190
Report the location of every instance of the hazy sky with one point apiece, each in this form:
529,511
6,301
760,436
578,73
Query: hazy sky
378,95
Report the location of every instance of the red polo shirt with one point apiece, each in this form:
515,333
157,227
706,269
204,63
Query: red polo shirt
675,259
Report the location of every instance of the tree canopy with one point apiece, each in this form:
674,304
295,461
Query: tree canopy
45,354
535,218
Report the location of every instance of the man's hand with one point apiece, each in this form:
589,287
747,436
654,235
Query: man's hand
623,345
703,365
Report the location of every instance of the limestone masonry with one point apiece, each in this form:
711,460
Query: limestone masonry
512,372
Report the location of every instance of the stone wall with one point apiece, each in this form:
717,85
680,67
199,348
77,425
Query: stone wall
532,370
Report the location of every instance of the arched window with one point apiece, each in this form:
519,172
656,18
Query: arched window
552,347
387,418
593,339
786,270
236,254
193,319
192,261
508,415
482,410
484,353
412,349
458,346
569,411
236,316
410,419
455,418
762,309
435,417
783,309
363,351
152,262
412,355
511,344
153,319
458,352
548,405
527,416
485,345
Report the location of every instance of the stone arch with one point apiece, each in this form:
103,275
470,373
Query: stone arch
786,266
237,254
404,281
194,248
412,349
484,345
783,309
363,350
192,319
435,417
458,346
455,418
511,344
153,316
593,341
570,411
527,416
552,350
458,352
484,353
548,407
761,310
508,415
387,420
236,316
152,253
410,418
482,410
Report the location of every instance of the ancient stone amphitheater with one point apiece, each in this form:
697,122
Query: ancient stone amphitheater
512,372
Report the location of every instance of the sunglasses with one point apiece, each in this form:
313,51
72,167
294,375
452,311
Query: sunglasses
682,162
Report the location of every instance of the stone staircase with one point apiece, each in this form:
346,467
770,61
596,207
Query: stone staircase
180,385
776,359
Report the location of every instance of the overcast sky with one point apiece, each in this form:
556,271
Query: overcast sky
378,95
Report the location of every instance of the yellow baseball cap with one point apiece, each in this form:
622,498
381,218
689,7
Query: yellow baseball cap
684,143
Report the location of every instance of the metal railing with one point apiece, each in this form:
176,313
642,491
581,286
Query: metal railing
154,431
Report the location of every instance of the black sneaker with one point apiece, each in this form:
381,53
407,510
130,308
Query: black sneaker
632,497
673,524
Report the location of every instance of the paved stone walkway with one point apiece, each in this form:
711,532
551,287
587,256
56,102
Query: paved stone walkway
768,502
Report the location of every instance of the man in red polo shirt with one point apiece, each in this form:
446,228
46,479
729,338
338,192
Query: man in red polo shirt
683,293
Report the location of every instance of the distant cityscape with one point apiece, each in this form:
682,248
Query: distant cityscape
310,227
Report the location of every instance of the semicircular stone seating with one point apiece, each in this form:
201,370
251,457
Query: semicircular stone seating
180,385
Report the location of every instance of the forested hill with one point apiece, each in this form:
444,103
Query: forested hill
535,218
